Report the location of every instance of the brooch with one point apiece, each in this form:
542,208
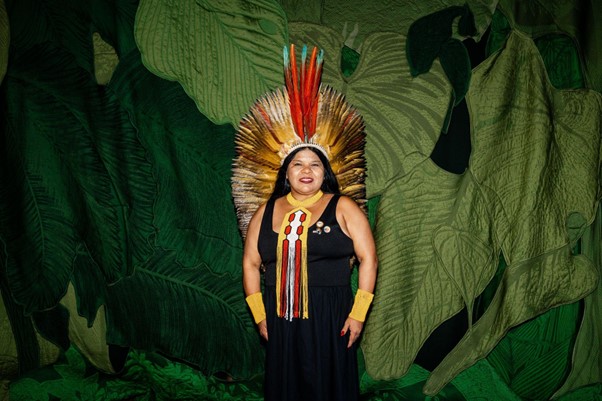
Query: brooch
321,227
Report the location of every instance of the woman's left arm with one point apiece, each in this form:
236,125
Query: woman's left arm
355,224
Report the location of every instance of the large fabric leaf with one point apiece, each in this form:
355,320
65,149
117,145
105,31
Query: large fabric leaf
105,60
197,262
479,383
114,22
561,57
63,22
4,39
403,115
482,383
538,149
575,274
225,54
533,357
9,361
586,368
356,20
436,255
19,348
33,190
549,166
91,340
86,301
97,185
577,19
464,256
191,160
186,313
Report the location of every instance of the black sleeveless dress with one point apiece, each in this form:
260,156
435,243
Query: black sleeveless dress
307,359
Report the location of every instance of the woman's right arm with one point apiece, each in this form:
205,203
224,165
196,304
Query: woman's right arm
251,276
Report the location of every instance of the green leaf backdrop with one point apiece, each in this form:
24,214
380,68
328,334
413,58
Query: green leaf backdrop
120,253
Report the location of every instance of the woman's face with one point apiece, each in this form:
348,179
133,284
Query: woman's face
305,173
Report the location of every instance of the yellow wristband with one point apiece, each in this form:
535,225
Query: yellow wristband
255,302
362,302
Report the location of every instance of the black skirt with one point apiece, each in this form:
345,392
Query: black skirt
307,359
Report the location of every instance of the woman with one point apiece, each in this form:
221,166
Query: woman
311,329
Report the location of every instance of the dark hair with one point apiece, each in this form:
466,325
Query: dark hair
330,185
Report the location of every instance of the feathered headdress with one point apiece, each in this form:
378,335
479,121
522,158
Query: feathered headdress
305,113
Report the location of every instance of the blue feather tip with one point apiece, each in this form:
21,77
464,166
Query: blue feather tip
285,56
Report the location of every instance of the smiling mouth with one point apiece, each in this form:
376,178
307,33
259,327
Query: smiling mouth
306,180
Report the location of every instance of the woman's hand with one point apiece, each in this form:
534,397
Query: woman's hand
355,329
263,329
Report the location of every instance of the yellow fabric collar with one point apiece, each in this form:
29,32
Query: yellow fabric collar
305,202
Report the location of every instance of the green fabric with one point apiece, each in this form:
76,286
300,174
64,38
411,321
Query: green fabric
4,40
428,35
22,348
349,60
53,324
149,376
425,279
561,59
105,60
537,190
534,358
409,387
356,20
431,37
578,19
587,354
191,159
498,33
17,339
558,51
225,54
482,382
119,195
39,261
89,337
196,264
58,171
126,186
146,376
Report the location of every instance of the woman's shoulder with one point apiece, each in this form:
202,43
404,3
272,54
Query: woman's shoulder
259,212
346,202
347,208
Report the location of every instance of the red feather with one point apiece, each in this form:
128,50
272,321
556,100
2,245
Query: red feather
294,98
303,91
